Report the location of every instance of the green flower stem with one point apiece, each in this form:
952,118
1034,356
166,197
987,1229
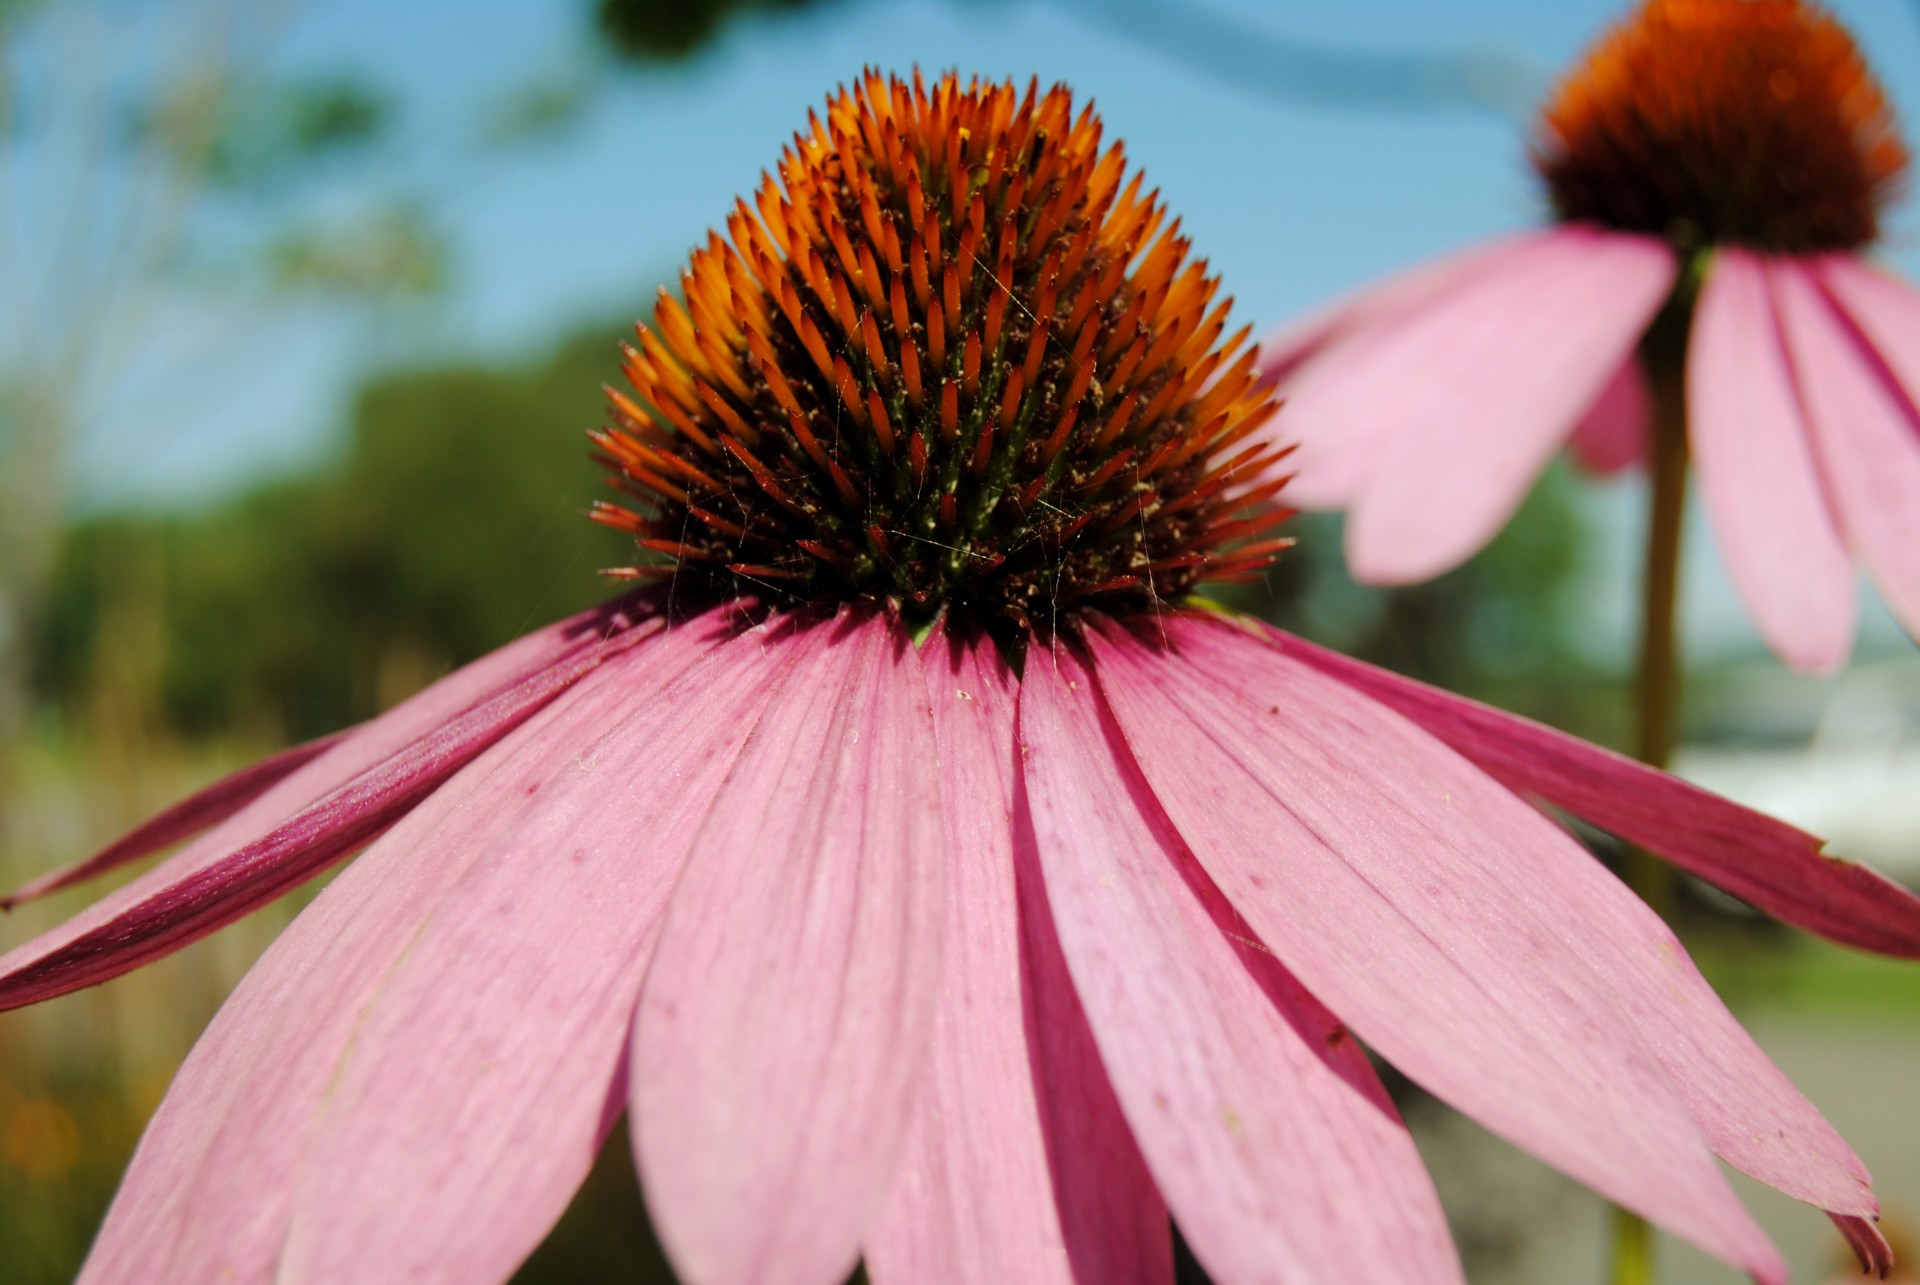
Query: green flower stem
1632,1249
1657,680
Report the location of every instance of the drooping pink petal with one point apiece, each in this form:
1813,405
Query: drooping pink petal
1479,390
1748,1111
209,1190
1867,1244
1019,1165
475,1096
184,819
1775,866
1758,478
319,813
1275,1145
1326,412
1286,350
1612,436
787,1016
1328,823
1866,428
177,908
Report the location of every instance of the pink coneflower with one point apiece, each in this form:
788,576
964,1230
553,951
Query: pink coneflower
924,872
1716,166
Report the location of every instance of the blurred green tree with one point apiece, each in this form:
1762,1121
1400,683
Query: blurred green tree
451,522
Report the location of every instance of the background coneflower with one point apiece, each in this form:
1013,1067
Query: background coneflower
1718,168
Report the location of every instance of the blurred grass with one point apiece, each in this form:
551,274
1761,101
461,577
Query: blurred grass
1804,978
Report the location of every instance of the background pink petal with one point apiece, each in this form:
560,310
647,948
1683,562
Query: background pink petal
1293,792
785,1021
1758,478
1612,435
1749,1112
209,1190
1775,866
1867,431
1019,1165
1275,1145
1286,350
1482,389
476,1094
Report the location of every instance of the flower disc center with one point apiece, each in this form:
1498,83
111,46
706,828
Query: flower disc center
950,360
1744,122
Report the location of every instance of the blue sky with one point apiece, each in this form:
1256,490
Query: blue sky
1292,200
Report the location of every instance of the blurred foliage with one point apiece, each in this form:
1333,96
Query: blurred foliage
452,522
251,137
62,1146
395,250
1497,628
667,29
541,108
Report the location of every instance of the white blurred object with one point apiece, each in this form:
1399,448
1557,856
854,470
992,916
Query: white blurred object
1855,781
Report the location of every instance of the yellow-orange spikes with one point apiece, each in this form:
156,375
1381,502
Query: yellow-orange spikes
1747,122
952,301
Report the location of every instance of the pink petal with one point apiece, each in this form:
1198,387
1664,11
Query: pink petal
1748,1111
1356,849
182,906
1275,1145
1289,348
1019,1165
209,1191
476,1095
318,814
786,1019
1612,436
1758,478
1776,867
1865,425
1480,389
186,818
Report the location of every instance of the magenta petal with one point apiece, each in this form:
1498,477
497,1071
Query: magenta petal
209,1191
1398,884
1019,1165
476,1094
785,1022
1748,1111
1866,428
174,905
1480,390
184,819
1758,478
1769,863
1612,436
1867,1244
1275,1145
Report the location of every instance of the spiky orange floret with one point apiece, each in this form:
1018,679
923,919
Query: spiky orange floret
949,360
1750,122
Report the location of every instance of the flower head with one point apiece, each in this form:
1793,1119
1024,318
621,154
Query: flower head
972,958
1716,167
1724,122
945,361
